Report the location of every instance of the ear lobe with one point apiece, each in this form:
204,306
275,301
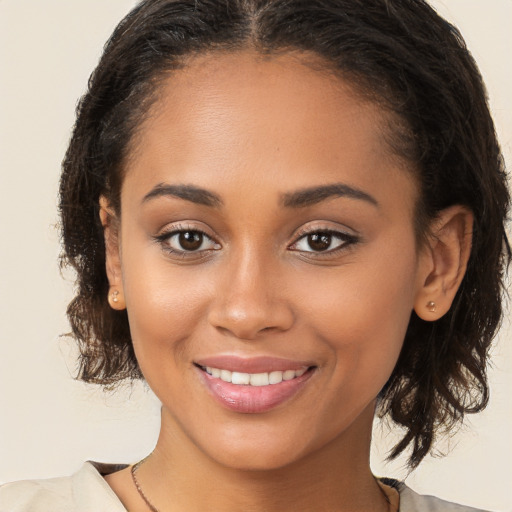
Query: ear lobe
444,262
112,255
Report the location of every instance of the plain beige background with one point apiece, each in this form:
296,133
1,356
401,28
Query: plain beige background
49,423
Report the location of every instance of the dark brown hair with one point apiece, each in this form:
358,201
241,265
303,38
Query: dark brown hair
408,60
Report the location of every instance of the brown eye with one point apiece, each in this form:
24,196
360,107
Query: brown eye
319,241
328,242
190,240
187,241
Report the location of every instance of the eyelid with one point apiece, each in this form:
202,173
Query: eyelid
325,227
180,226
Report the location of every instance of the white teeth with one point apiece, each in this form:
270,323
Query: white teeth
240,378
225,375
275,377
288,375
300,372
259,379
254,379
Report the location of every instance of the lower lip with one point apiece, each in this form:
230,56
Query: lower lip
253,399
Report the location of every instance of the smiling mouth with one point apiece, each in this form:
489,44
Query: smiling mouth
254,384
254,379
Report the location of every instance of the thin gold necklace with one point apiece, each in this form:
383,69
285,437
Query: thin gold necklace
135,467
151,507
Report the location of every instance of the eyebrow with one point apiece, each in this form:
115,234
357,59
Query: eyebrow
314,195
187,192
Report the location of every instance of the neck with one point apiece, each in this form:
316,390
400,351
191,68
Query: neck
337,477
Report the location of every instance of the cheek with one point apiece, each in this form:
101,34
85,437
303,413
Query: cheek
165,304
362,317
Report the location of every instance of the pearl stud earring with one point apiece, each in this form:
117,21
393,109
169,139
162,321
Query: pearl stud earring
431,306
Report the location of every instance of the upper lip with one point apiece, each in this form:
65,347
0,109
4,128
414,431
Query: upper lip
260,364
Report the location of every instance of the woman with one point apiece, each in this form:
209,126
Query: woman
285,217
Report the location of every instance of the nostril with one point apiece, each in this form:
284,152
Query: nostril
246,319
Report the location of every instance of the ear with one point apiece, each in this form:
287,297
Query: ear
444,261
110,225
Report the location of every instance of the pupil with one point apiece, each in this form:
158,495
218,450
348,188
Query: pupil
191,240
319,241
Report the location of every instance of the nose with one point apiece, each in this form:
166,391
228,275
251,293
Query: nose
250,299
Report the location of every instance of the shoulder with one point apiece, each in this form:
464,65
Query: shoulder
411,501
36,495
86,491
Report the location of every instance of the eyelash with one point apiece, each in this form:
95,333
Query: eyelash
164,239
346,239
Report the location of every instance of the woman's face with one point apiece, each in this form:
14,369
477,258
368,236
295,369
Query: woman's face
266,237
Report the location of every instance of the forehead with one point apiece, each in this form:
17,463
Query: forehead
260,115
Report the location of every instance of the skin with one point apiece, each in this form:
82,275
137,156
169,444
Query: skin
254,132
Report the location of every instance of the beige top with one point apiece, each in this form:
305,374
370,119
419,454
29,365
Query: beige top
87,491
